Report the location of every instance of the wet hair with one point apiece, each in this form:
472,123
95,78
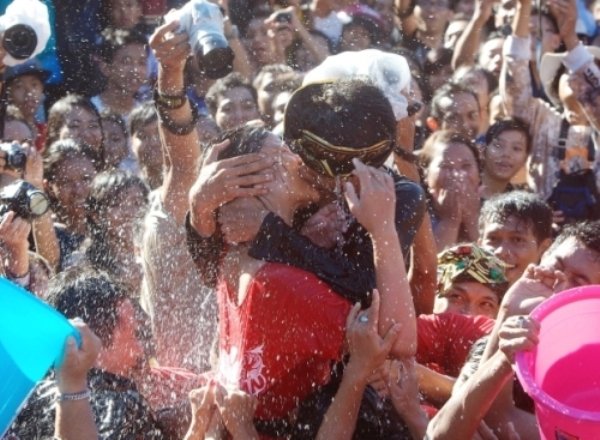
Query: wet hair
221,86
426,154
587,233
448,90
105,193
509,124
528,209
352,113
242,140
57,115
141,116
60,151
114,39
90,295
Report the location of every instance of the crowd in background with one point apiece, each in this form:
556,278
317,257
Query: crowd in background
255,256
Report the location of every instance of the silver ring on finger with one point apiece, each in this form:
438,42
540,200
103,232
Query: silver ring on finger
522,321
363,318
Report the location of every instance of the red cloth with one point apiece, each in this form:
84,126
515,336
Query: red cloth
280,342
444,340
40,139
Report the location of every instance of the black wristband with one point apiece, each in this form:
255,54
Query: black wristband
169,102
174,127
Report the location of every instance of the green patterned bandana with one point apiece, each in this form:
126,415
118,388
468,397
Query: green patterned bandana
469,262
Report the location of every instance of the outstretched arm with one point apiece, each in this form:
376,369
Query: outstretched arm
468,43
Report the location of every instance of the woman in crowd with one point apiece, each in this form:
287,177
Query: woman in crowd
450,163
75,117
68,172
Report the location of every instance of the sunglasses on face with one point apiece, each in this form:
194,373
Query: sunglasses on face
334,160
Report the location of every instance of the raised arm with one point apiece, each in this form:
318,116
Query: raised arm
515,80
375,211
177,125
468,43
461,416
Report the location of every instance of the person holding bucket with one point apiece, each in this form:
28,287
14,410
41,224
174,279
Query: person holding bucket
572,261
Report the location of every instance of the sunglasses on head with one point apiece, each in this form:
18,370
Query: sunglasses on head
333,160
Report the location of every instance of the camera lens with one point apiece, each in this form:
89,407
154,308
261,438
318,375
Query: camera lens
20,41
38,203
214,57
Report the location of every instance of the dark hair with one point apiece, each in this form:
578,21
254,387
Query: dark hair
425,155
242,140
89,295
352,113
141,116
105,193
440,58
60,151
222,86
372,27
274,69
509,124
114,39
527,208
587,233
448,90
57,116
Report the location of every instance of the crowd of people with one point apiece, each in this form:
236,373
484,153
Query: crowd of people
262,255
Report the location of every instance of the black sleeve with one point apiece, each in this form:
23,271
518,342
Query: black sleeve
410,210
279,243
206,252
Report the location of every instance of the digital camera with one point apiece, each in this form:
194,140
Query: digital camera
16,158
203,22
24,199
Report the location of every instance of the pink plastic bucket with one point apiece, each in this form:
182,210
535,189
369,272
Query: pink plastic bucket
562,374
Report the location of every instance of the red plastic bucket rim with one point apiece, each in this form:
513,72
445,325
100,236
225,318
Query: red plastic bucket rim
524,359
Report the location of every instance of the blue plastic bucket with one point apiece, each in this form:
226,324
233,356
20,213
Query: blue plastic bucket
32,339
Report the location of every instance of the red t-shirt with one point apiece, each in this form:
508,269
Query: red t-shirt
444,340
279,344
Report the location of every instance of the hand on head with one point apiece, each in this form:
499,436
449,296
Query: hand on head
71,375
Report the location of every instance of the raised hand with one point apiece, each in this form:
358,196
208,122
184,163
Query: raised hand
221,181
367,349
518,333
71,375
171,48
375,207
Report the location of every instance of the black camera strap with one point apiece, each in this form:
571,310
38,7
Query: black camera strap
560,151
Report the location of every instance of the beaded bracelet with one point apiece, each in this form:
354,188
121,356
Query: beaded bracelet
169,102
174,127
69,397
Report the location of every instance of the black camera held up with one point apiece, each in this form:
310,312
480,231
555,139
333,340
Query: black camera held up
15,156
24,199
203,22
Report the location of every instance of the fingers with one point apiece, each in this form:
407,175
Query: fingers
373,311
391,336
215,150
161,32
351,197
352,315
